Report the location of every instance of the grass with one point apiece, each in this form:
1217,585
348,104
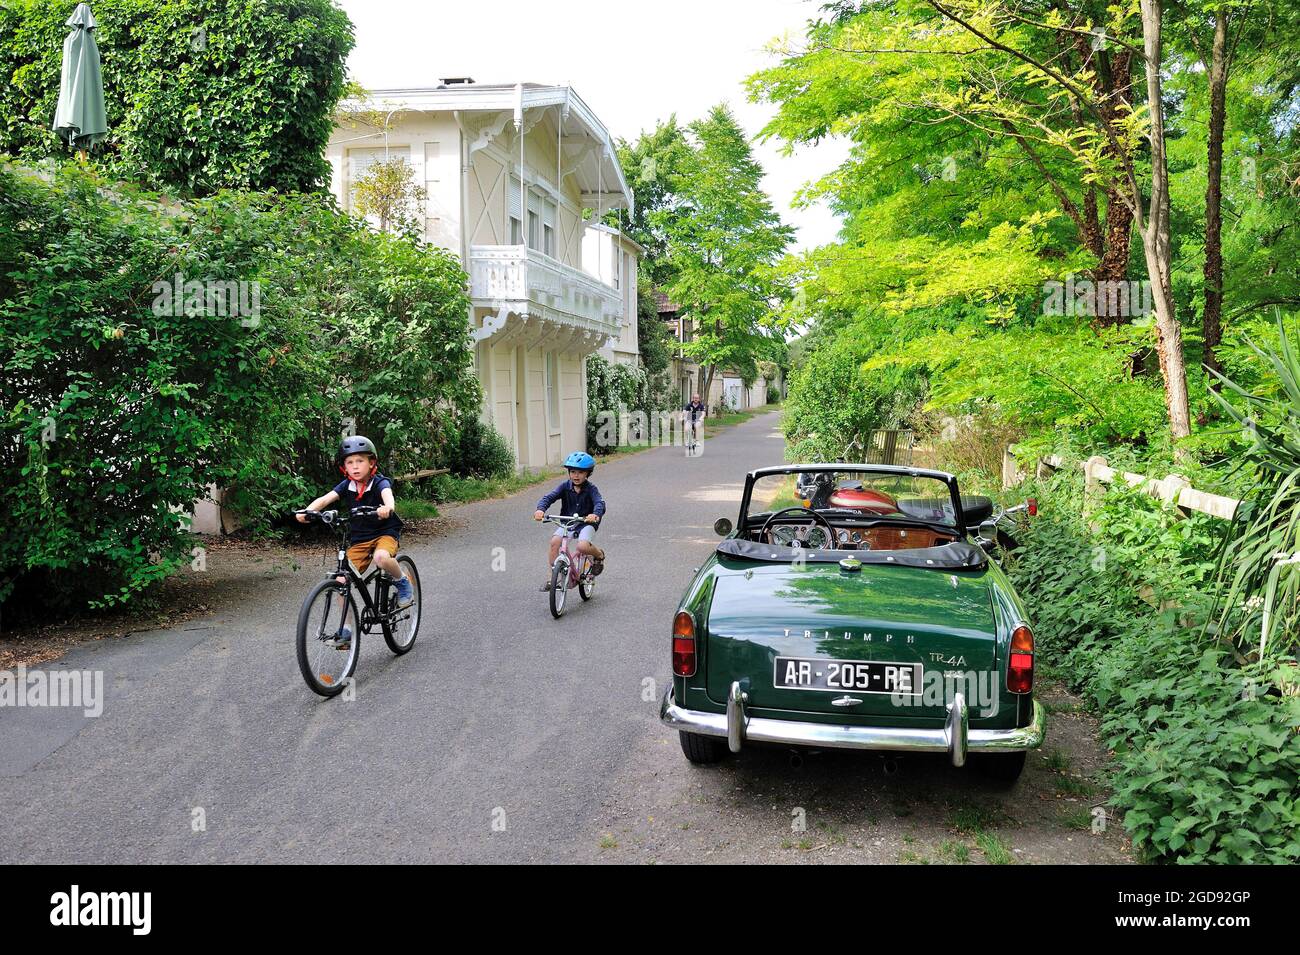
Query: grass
450,489
973,818
996,852
953,852
1057,761
607,841
1080,819
1073,786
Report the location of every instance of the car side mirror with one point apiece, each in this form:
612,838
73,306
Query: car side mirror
988,534
722,526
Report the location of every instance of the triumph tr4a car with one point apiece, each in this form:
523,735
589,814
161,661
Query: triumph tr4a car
856,606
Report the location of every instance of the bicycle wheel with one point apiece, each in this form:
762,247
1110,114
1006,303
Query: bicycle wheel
403,625
559,586
586,582
324,613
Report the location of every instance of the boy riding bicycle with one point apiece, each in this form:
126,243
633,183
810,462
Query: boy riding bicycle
579,498
374,538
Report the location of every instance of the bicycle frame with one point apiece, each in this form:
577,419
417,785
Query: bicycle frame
374,610
572,558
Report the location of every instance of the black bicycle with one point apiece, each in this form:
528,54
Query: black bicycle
329,624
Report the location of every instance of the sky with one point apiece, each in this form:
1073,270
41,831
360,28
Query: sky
633,63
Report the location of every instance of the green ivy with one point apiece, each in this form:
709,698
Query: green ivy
199,94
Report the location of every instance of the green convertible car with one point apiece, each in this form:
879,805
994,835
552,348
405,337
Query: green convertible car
856,606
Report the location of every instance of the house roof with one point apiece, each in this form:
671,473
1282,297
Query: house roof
586,141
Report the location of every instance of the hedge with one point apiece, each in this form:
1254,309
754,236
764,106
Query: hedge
200,95
118,407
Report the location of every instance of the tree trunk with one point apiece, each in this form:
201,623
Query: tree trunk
1211,328
1155,235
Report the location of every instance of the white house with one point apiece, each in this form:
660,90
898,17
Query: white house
509,170
612,257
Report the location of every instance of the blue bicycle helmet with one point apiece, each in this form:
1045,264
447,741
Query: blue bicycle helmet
580,460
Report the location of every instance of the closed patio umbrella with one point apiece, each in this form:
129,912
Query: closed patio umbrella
79,117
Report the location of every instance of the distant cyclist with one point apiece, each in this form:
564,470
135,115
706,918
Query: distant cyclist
692,415
578,497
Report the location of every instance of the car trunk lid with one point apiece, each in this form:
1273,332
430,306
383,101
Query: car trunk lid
806,637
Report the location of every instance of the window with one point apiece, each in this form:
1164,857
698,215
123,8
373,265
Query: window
617,269
552,391
534,233
548,228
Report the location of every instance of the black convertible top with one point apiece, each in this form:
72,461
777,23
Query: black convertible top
957,555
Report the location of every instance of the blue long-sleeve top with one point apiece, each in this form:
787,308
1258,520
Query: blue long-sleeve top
574,501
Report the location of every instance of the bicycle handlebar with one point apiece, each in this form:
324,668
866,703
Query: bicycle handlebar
330,518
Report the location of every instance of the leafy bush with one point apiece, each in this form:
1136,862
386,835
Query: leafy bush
1207,760
479,451
199,94
612,389
832,402
120,407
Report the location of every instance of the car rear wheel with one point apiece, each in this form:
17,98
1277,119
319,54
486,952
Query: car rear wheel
702,750
1002,769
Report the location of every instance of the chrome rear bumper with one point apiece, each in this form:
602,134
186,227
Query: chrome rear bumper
955,738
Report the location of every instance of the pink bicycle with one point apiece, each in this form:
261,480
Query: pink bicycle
570,568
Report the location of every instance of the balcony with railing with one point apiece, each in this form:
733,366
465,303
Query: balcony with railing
524,280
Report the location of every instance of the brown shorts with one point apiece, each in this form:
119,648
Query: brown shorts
361,554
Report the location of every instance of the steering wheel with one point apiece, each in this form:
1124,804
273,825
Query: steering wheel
817,518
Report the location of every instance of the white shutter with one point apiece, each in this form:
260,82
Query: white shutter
513,200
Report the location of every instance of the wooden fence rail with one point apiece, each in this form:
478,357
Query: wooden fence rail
1174,489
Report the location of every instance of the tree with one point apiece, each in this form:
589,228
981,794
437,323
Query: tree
652,166
975,77
200,95
723,239
388,193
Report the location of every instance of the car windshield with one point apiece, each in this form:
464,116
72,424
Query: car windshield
856,494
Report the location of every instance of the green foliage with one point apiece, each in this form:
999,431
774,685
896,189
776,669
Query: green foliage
714,238
1262,561
121,403
200,94
614,389
1207,759
833,402
389,194
479,451
1054,376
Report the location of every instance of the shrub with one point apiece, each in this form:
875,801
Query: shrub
199,94
119,409
1207,760
832,402
612,389
479,451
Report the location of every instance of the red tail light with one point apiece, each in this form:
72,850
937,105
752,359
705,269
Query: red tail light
1032,503
1020,666
684,644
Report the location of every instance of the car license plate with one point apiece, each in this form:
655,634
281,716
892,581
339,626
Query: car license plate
837,676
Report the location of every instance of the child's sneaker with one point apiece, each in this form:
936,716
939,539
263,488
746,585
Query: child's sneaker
405,593
341,640
546,587
597,565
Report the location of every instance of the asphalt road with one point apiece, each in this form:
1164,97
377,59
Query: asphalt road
503,736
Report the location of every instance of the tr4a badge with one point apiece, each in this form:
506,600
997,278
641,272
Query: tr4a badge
948,661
